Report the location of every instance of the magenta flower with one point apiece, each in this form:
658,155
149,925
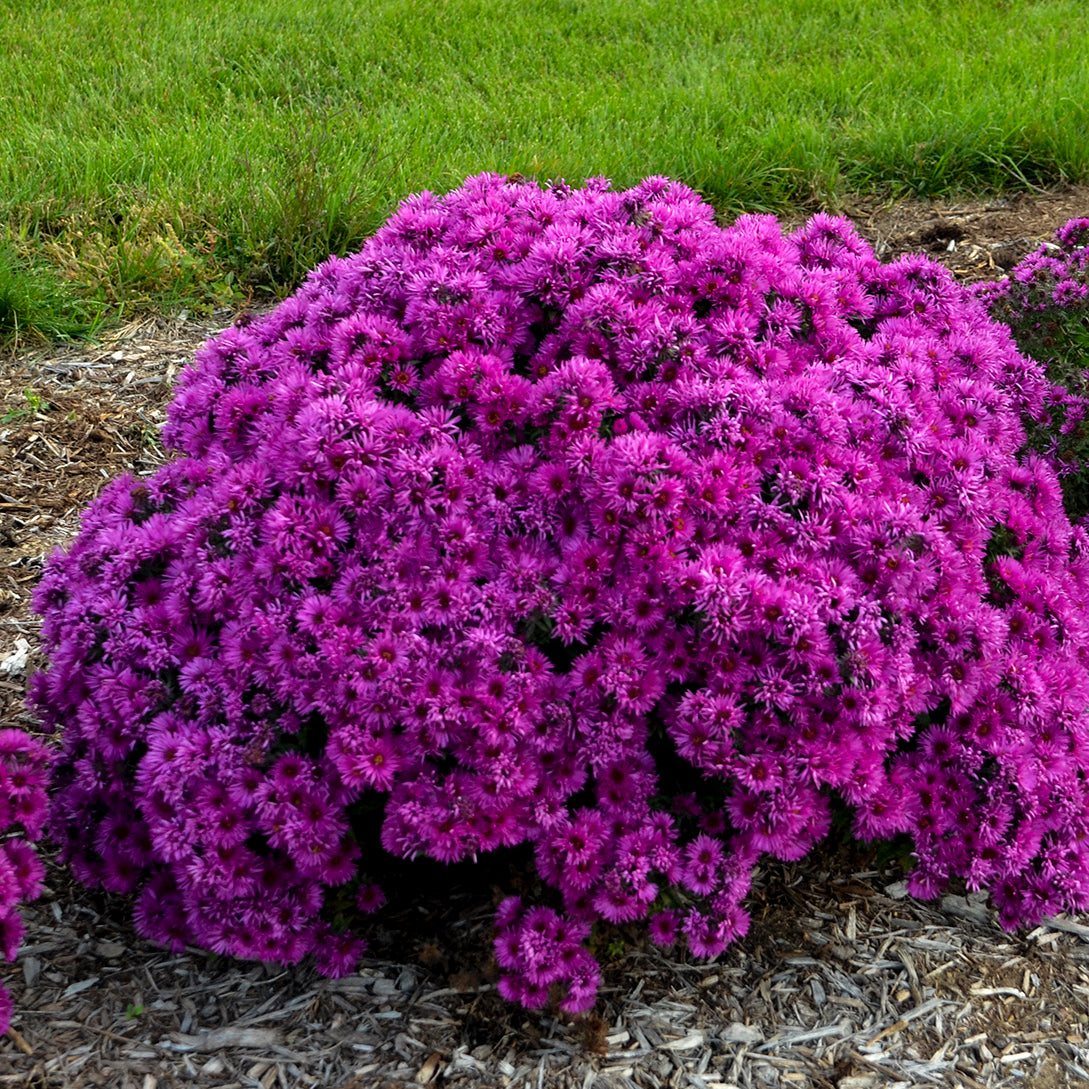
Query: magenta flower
663,928
24,773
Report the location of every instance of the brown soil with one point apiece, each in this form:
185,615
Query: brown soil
976,240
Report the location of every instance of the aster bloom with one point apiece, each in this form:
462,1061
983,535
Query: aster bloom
663,928
369,898
337,955
704,856
545,506
24,773
1045,303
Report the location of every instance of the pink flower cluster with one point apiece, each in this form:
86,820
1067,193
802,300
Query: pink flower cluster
1045,303
24,775
570,518
1054,275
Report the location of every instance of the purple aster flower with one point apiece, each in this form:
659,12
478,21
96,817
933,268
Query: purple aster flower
664,927
337,955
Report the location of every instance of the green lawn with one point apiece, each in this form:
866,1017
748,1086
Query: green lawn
182,149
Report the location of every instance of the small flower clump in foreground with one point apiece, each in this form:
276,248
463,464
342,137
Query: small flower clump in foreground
568,518
24,774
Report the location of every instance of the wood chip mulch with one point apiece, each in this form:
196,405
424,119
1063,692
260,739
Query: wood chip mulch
844,981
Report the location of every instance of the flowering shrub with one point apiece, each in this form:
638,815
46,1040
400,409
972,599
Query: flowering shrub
1045,303
568,518
24,773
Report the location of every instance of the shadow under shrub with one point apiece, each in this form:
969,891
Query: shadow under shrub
567,518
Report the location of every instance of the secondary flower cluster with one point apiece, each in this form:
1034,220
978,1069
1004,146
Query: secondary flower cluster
1045,303
569,518
24,774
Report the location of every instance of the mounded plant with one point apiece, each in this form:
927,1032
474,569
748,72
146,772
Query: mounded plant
566,517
